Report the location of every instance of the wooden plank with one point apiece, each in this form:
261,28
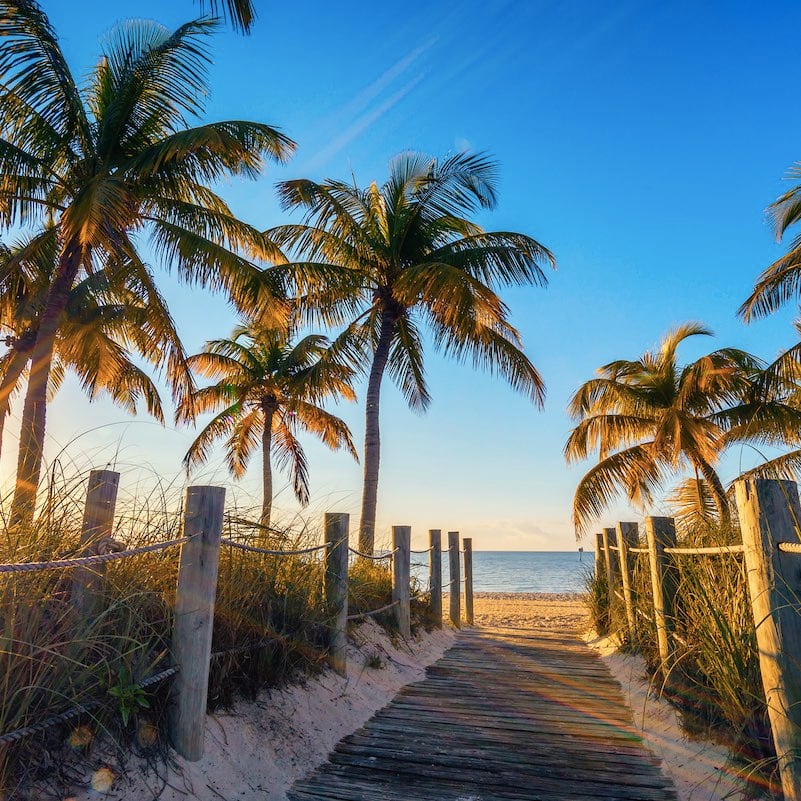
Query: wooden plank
501,717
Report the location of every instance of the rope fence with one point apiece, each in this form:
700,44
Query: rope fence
269,551
372,557
196,596
81,709
768,513
83,561
374,611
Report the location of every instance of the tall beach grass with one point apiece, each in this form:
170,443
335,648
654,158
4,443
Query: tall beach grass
270,625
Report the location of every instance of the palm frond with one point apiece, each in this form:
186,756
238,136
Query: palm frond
631,472
291,458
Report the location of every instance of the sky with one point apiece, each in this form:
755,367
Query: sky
640,142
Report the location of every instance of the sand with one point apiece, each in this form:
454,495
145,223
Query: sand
526,610
259,749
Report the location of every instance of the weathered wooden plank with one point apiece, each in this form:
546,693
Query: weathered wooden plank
501,717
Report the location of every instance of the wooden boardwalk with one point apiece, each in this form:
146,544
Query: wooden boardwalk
505,714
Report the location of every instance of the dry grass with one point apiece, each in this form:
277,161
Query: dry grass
52,660
714,679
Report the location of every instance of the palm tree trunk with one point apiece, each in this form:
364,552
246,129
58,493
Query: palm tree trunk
15,369
372,435
32,432
718,492
267,468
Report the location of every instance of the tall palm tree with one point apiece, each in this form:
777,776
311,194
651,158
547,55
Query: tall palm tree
650,417
112,160
394,259
267,389
103,319
781,281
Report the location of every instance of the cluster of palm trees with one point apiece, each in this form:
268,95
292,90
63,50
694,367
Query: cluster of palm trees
652,419
91,172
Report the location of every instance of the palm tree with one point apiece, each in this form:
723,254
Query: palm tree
393,259
113,160
650,417
267,389
101,321
781,281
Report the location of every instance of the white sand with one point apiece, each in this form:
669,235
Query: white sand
698,767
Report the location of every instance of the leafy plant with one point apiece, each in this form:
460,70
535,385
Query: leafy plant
129,695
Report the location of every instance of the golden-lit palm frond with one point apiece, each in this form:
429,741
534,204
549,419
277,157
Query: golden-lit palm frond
785,466
632,473
781,281
328,428
406,364
35,73
219,427
243,441
605,433
679,414
261,375
606,394
290,457
499,258
242,13
692,504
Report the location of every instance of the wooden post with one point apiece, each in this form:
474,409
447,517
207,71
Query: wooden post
435,574
610,563
401,566
455,590
194,617
660,533
337,527
627,537
97,526
770,513
599,553
468,580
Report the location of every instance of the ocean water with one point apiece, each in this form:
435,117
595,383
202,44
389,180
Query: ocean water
518,571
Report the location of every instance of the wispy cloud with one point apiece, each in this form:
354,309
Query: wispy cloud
368,106
360,125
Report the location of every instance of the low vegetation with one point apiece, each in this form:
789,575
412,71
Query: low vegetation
54,661
714,679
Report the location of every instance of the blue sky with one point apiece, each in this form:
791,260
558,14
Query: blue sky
640,142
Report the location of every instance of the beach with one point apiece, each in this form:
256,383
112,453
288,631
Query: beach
530,610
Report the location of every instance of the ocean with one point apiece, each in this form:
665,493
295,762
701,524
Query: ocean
518,571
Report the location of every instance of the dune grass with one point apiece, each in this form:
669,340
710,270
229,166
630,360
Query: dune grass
52,660
714,679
